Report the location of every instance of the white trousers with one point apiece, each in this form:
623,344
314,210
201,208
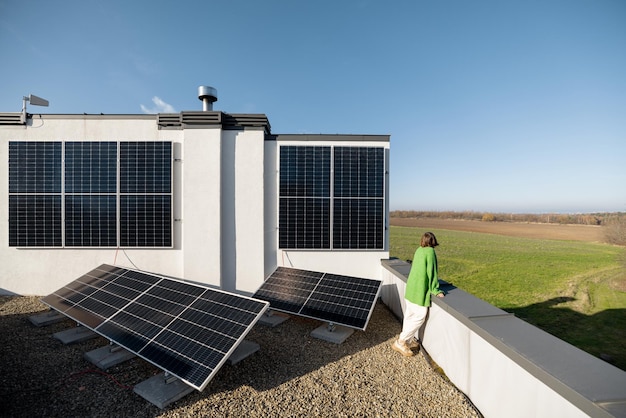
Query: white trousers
414,317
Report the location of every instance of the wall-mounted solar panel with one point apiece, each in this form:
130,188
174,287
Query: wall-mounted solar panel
145,187
90,179
359,191
341,300
90,194
332,197
35,194
185,329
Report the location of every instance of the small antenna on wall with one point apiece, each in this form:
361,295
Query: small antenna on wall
35,101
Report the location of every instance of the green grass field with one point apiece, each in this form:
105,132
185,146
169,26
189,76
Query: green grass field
573,290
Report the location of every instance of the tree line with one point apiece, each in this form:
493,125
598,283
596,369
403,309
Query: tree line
554,218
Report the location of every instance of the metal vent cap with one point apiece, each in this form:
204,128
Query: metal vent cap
208,95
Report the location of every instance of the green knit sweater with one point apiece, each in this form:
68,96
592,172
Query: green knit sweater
423,281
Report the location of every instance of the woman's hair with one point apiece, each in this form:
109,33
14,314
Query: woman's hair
429,240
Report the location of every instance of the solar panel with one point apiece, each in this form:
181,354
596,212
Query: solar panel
34,194
90,179
304,188
304,223
185,329
146,200
358,224
359,172
341,300
358,209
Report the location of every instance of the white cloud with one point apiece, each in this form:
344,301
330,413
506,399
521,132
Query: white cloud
159,107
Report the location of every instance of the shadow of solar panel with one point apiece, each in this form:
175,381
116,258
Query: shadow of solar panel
185,329
342,300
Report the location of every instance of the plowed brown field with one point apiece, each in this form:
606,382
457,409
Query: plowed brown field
516,229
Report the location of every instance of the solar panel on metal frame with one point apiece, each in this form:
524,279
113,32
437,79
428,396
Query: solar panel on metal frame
185,329
341,300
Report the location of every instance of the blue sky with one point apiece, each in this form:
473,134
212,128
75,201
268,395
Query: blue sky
492,105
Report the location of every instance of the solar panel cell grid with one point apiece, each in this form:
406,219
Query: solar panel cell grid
91,167
305,171
90,221
145,167
35,167
145,221
186,329
358,224
35,221
359,171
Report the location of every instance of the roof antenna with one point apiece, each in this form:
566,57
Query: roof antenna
208,95
35,101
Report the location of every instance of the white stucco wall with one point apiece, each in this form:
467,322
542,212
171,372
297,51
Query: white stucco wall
365,264
242,220
270,207
201,215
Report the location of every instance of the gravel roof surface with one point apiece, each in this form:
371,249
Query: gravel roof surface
292,375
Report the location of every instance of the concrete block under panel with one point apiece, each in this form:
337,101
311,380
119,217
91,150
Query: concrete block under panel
332,333
108,356
75,335
244,349
272,318
46,318
161,390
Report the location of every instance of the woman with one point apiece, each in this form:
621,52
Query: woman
422,283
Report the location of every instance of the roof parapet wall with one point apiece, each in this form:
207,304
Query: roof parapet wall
182,120
197,119
11,118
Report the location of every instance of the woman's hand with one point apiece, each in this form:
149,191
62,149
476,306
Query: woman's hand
440,295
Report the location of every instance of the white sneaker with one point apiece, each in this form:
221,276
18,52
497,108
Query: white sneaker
402,348
413,344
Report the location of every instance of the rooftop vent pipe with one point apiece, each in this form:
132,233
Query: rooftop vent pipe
208,95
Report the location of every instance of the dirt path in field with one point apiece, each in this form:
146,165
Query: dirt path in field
516,229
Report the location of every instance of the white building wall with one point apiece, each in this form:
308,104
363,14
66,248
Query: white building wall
270,218
248,213
201,208
365,264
